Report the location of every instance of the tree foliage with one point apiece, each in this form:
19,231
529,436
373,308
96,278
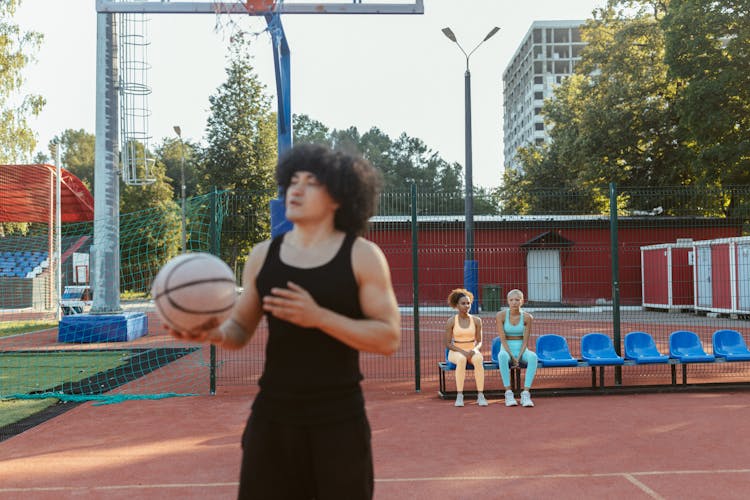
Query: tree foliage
241,151
404,161
708,53
17,50
177,156
77,153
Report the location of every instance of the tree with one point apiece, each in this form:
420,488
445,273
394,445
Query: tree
77,153
17,49
241,152
404,161
305,130
170,152
708,52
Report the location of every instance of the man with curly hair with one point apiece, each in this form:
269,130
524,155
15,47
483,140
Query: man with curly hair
327,294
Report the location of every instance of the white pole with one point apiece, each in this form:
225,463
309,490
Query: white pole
58,236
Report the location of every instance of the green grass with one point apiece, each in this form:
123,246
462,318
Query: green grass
27,372
15,410
8,328
22,373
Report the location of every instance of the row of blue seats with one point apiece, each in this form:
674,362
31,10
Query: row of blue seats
23,253
685,346
597,351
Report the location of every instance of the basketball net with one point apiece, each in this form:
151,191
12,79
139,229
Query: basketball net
227,11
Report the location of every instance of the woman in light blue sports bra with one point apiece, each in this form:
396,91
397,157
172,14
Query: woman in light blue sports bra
514,328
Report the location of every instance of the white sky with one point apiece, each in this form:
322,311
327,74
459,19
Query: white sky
398,73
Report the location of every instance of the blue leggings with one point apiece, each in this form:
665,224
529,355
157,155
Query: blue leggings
529,359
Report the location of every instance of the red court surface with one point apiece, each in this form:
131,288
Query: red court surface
672,446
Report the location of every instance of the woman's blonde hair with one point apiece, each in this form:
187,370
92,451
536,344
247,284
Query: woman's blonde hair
515,291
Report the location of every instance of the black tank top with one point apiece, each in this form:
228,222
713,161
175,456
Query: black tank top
310,377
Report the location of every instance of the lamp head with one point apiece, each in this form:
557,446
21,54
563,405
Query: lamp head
491,33
449,33
177,130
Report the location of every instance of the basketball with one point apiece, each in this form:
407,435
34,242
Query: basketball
191,288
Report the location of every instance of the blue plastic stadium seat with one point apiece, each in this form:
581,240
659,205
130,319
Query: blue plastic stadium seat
730,345
496,344
640,347
686,346
552,350
597,350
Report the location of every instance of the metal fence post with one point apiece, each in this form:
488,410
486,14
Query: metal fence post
415,287
214,239
615,276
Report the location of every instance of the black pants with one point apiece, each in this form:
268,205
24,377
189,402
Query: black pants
298,462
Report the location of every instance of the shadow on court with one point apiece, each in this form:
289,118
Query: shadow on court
687,445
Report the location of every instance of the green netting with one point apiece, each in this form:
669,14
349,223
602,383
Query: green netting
560,236
103,359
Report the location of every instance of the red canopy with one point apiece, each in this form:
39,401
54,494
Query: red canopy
27,194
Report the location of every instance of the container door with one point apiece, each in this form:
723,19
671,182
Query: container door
743,276
703,271
543,272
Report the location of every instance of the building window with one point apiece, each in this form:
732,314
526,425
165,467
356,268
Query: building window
562,35
538,96
539,126
539,79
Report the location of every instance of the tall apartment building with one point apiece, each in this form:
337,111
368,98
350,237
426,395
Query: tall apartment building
549,52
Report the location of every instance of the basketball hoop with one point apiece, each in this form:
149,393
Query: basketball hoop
260,6
253,8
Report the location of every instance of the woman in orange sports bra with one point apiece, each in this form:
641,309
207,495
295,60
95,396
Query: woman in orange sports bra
463,339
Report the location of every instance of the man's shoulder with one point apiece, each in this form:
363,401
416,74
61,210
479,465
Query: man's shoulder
366,248
258,253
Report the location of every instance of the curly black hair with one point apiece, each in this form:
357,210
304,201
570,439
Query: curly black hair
456,295
351,181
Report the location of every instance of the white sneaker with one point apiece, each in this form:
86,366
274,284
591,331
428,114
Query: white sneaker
459,399
481,401
509,399
526,399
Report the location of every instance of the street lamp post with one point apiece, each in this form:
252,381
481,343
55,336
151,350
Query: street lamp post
178,131
471,268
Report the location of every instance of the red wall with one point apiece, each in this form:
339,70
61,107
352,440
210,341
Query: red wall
721,285
585,266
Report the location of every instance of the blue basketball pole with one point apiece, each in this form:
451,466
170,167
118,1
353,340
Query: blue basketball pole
282,68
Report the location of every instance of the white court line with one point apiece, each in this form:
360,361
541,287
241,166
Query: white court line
648,491
562,476
630,476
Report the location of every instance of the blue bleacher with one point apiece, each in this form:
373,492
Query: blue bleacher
22,263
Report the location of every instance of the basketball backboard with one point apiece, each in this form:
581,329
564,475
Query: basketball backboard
261,7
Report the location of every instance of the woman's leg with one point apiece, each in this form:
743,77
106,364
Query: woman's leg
459,360
503,359
477,360
531,360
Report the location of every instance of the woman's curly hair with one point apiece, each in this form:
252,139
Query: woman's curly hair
456,295
351,181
